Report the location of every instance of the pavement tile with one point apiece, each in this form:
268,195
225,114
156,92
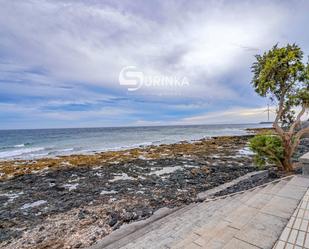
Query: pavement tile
292,192
304,225
285,234
300,181
238,244
300,238
291,222
304,204
241,216
193,246
289,246
273,188
200,241
306,214
307,242
300,213
259,200
293,236
262,231
280,206
279,245
306,198
222,237
297,223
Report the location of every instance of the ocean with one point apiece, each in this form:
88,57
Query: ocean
38,143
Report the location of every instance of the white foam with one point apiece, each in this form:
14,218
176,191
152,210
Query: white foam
34,204
124,147
19,145
19,152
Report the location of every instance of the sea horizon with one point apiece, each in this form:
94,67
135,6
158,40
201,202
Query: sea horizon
130,126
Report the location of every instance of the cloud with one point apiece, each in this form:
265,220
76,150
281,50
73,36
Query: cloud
235,115
80,42
148,123
10,114
231,116
73,51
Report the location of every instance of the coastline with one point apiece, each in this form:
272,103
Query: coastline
73,201
50,143
13,167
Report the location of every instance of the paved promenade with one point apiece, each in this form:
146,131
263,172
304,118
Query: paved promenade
296,233
252,219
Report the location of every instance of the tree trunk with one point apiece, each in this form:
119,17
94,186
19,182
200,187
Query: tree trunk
289,138
287,163
287,153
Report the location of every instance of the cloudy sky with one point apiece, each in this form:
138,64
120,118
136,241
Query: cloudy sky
60,60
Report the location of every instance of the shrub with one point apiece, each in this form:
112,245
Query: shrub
268,149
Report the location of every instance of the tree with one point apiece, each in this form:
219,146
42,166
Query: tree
281,75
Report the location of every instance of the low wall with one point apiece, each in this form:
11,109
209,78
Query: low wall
305,163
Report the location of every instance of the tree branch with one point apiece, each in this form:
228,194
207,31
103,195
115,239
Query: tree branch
297,138
302,132
297,120
279,114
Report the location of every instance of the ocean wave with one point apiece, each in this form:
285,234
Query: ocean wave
15,146
68,142
19,145
19,152
61,151
122,147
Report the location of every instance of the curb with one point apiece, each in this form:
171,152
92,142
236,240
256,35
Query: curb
211,192
128,229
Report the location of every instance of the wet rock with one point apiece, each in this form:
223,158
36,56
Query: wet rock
58,188
117,226
114,217
129,216
40,240
78,245
273,173
82,214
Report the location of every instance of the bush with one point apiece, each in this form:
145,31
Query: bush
268,149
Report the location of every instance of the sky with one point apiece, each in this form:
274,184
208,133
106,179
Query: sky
61,61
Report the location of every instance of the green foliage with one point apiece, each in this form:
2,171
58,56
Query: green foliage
281,75
268,149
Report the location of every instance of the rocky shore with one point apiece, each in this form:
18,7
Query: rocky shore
73,201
